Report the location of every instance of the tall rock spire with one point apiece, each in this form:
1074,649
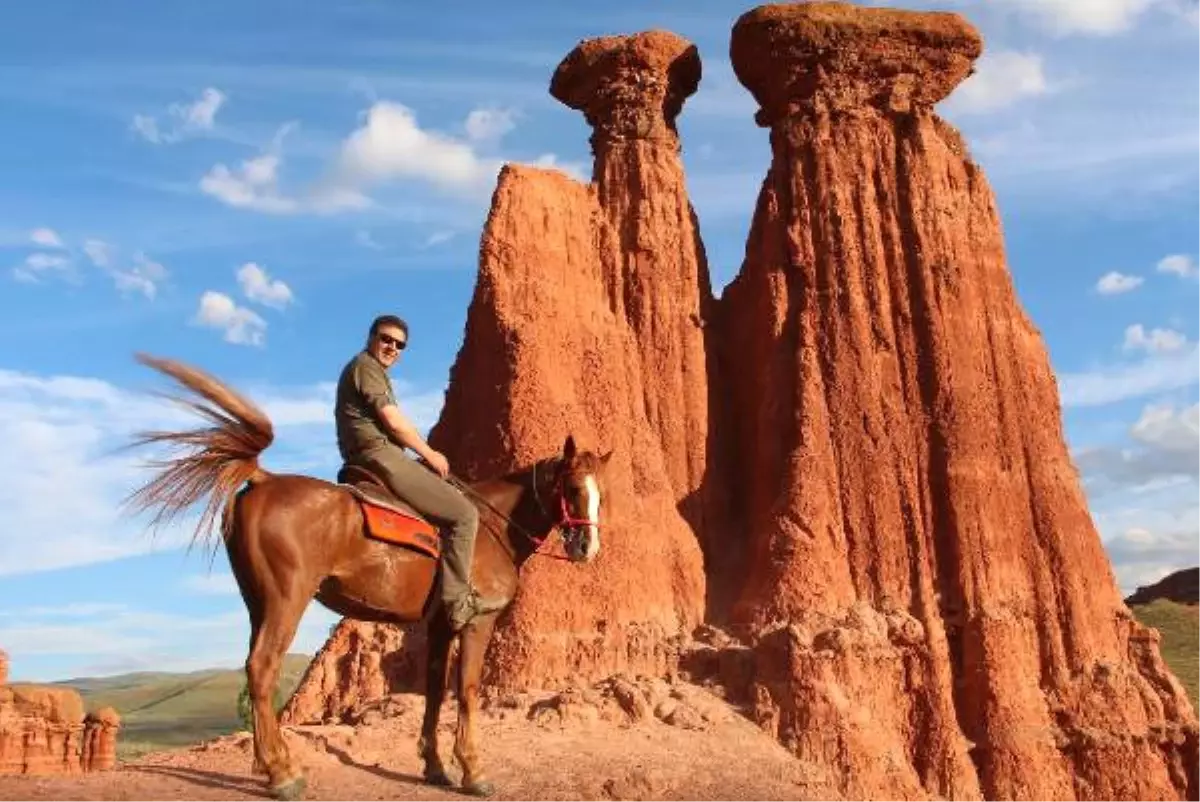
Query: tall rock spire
631,89
901,449
586,319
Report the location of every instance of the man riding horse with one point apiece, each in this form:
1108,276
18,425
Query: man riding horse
374,433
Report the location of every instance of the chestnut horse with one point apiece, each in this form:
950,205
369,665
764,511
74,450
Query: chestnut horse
291,538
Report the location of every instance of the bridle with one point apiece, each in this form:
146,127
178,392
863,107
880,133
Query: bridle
565,523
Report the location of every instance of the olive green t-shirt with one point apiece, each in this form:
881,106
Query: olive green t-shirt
362,390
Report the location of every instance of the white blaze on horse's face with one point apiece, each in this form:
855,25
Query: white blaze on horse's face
591,503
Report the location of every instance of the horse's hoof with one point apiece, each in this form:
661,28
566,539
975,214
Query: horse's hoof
481,788
438,778
292,789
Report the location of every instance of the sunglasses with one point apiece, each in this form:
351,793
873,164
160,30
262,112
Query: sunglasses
387,339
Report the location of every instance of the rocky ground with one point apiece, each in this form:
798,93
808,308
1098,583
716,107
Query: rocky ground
619,739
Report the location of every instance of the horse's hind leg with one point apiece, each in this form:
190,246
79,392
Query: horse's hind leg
436,677
280,617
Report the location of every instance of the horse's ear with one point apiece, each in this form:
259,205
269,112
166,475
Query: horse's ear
569,448
604,461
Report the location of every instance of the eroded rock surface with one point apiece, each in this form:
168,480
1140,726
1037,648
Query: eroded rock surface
901,452
43,730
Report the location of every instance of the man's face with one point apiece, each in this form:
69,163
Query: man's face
387,344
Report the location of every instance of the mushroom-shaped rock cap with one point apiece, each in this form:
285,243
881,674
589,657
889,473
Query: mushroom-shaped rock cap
630,86
796,55
105,716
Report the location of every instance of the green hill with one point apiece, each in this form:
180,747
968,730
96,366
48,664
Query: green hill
1179,625
164,710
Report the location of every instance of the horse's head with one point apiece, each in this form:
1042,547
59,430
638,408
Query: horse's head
581,487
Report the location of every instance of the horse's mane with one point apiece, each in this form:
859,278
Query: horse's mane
221,457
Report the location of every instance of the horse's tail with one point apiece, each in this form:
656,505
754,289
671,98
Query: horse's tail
221,458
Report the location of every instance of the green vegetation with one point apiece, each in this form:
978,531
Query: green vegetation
163,711
1179,625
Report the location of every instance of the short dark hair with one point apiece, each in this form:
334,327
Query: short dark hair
388,320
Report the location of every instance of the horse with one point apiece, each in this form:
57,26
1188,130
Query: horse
291,538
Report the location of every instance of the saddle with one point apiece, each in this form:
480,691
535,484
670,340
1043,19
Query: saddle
386,516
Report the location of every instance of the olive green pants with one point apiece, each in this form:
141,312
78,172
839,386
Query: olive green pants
442,504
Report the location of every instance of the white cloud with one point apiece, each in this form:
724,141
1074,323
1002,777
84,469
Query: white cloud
241,326
40,263
1001,79
99,252
485,125
1115,283
183,120
1143,494
389,146
1165,446
143,277
46,237
254,185
65,432
1108,384
438,237
1162,427
1155,341
1179,265
1092,17
259,287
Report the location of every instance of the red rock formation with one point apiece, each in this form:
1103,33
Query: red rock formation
40,730
587,319
930,608
910,501
360,663
100,728
43,731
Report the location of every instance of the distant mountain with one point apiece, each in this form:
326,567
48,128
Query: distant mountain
166,710
1182,587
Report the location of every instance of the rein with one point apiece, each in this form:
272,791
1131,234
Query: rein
537,542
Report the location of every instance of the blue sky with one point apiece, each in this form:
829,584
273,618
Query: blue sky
244,186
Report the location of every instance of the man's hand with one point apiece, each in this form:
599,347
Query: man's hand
437,461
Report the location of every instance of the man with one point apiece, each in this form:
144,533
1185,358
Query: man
373,432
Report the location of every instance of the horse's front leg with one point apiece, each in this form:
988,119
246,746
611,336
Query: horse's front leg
436,677
473,644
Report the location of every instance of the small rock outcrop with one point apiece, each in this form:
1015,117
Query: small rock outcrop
361,662
100,728
43,730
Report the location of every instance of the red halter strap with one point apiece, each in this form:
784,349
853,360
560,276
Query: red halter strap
566,519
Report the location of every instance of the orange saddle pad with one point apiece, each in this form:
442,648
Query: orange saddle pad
403,530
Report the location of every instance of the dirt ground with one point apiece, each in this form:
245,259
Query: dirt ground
667,742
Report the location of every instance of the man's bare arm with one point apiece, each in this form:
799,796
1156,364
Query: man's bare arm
407,435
